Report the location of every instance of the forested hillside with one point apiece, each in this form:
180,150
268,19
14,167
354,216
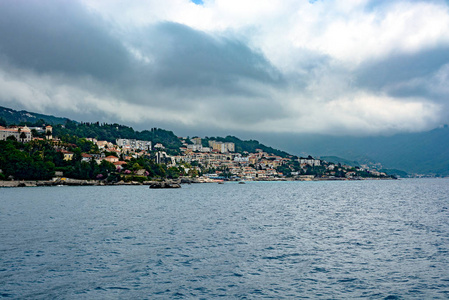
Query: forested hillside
111,132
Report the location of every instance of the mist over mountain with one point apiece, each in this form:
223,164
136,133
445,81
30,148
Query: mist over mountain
416,153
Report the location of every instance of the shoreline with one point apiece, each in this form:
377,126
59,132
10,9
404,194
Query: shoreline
80,182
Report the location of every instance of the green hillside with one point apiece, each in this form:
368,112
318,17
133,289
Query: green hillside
64,127
111,132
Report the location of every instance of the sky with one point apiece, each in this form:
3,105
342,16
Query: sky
351,67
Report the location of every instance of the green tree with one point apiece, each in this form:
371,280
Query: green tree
23,136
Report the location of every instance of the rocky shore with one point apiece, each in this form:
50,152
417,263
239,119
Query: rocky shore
153,184
78,182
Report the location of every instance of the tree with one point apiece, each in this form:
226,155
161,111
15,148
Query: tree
3,122
105,168
23,136
34,133
173,173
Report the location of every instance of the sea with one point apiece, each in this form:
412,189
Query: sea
374,239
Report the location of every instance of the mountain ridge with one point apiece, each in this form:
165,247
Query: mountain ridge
418,153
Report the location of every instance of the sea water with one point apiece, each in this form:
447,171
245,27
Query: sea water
279,240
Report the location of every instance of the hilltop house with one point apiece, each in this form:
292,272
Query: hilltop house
22,134
111,159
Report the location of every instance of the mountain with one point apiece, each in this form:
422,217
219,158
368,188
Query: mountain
415,153
11,116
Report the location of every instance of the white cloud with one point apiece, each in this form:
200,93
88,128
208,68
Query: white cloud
380,113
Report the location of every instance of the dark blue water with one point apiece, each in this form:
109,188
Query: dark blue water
326,240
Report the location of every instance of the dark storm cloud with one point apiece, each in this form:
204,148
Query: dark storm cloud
58,36
186,69
62,37
389,74
185,58
165,66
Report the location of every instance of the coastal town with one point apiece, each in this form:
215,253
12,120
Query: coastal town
128,160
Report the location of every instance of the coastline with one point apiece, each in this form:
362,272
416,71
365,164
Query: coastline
80,182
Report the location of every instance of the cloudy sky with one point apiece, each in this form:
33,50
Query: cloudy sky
355,67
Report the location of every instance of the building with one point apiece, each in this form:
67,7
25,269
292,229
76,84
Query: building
230,147
48,132
86,157
241,159
195,147
104,144
134,144
222,147
111,159
67,154
21,134
196,141
309,161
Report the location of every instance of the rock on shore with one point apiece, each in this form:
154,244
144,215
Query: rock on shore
164,185
77,182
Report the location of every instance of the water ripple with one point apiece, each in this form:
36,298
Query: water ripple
286,240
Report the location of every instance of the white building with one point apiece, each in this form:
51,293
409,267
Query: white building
159,146
134,144
195,147
17,133
309,161
241,159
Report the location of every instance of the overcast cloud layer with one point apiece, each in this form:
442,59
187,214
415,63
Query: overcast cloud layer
337,67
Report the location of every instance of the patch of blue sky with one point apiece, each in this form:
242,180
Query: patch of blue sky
198,2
